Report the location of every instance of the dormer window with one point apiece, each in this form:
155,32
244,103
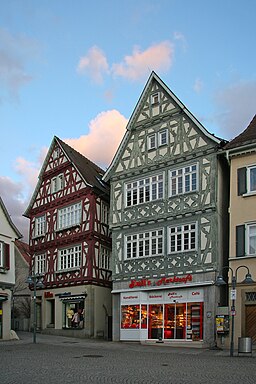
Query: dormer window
155,98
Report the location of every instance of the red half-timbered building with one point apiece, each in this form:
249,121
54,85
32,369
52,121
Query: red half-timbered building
70,244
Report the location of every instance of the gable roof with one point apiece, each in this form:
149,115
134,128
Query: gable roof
247,137
8,217
90,172
23,249
154,77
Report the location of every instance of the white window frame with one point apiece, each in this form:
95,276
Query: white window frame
152,143
104,213
57,183
163,134
70,258
40,226
144,190
69,216
250,231
144,244
182,238
104,258
250,170
56,153
181,180
40,264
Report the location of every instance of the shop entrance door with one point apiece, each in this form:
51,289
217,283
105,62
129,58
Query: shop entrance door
250,325
155,321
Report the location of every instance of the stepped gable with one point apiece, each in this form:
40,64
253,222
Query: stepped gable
248,136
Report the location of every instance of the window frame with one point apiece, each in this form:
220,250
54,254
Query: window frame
57,183
72,258
155,98
160,135
248,238
40,264
181,178
68,223
143,190
40,226
141,244
249,169
104,258
181,239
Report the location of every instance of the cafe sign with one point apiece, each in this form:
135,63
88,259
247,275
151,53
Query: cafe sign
143,283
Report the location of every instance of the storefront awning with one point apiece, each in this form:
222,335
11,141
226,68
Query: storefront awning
72,298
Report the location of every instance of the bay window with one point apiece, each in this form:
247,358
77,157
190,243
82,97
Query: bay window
69,216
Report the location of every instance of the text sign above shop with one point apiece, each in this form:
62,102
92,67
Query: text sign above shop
163,281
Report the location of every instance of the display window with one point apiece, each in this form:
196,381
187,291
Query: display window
165,321
73,314
133,316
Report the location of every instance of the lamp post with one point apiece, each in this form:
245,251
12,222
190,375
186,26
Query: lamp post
220,281
36,281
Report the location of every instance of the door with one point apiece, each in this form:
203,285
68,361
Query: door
250,322
155,321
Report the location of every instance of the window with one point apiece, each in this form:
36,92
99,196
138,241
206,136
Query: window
157,140
40,264
69,216
56,153
183,180
145,190
39,226
163,137
155,98
246,240
152,141
4,255
69,258
104,213
182,238
246,180
57,183
144,244
104,258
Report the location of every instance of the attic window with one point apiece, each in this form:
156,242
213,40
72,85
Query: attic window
155,98
56,153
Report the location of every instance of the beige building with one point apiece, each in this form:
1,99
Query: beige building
241,153
8,234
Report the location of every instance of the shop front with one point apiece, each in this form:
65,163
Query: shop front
171,314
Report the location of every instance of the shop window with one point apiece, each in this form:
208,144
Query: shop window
73,314
130,317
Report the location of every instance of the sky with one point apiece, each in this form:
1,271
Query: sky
75,69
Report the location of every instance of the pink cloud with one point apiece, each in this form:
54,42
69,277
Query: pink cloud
105,134
158,57
94,63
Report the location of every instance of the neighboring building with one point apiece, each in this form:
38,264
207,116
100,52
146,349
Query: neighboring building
241,152
8,234
169,201
70,245
21,292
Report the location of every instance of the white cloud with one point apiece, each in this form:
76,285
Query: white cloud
198,85
105,134
94,63
236,105
180,37
158,57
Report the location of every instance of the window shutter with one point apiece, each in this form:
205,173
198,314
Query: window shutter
240,240
7,256
241,181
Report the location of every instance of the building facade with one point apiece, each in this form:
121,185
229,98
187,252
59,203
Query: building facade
70,245
169,202
8,234
241,152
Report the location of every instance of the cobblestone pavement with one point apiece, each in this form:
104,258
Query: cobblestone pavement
62,360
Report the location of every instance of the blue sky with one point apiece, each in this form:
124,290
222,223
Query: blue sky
75,69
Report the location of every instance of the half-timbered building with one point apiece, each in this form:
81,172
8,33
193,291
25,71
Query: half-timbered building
168,218
70,244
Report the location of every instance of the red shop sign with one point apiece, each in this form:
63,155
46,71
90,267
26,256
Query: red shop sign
160,282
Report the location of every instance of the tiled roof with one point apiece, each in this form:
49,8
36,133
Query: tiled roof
91,172
248,136
8,217
24,250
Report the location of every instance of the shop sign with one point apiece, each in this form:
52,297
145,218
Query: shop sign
48,295
161,282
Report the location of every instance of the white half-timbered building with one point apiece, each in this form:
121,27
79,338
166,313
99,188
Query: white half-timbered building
169,201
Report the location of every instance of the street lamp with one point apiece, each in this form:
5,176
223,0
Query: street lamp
36,281
220,281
